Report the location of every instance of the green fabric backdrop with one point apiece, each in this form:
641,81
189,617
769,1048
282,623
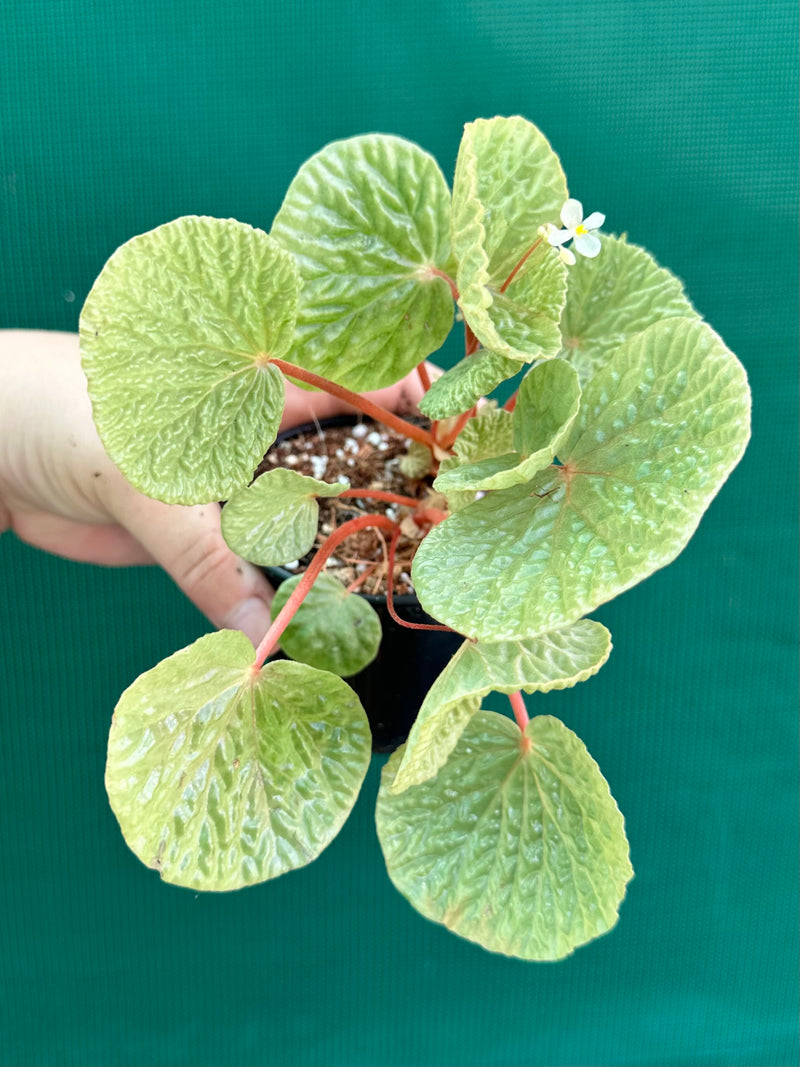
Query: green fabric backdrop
678,120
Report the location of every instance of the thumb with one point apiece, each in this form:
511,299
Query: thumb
188,544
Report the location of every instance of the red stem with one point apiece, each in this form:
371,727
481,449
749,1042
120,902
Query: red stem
449,441
471,342
519,709
424,377
288,610
360,403
441,274
518,267
390,593
380,494
511,403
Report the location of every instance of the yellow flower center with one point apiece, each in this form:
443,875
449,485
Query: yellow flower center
580,229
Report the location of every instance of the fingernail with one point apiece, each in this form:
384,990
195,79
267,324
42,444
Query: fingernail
251,616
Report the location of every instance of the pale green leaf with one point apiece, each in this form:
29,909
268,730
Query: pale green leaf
489,433
508,183
332,629
516,844
175,335
554,660
612,297
461,387
548,402
660,427
220,779
274,520
368,221
417,462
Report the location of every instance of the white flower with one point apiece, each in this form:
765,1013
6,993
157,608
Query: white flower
578,230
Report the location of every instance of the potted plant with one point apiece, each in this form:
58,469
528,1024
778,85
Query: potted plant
227,768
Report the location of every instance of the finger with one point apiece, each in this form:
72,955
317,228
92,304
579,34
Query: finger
187,543
107,545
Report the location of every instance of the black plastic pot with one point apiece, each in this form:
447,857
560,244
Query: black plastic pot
393,687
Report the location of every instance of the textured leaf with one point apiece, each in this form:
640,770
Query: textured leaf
367,219
516,844
508,183
275,519
461,387
489,433
332,630
612,297
659,429
554,660
174,337
220,779
548,402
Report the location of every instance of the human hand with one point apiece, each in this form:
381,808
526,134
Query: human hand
60,492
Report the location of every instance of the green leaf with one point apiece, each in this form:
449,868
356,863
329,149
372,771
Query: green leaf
417,462
175,334
516,844
332,629
489,433
274,520
555,660
220,779
612,297
548,402
508,183
461,387
660,427
368,221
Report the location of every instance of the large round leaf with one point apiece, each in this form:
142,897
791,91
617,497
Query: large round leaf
367,220
612,297
516,844
332,629
659,429
175,335
221,778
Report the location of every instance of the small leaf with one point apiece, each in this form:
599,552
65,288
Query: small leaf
275,519
175,334
612,297
489,433
332,629
555,660
417,462
368,220
660,427
548,402
461,387
516,844
220,780
508,183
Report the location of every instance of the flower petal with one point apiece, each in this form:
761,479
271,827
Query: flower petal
587,244
594,221
572,213
566,256
558,237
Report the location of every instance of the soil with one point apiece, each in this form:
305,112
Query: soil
364,456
